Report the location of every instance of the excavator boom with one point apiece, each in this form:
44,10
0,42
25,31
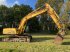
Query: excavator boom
29,16
46,8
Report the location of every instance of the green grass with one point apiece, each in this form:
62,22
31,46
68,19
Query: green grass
40,43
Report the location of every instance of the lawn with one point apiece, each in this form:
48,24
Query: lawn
40,43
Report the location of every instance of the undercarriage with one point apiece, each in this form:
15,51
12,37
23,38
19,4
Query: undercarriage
16,38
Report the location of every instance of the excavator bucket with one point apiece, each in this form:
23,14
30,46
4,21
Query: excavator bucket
60,36
58,39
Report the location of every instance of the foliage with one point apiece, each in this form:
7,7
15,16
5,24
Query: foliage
67,9
56,4
65,16
14,13
45,19
33,25
11,16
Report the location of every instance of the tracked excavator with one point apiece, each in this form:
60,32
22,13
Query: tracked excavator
18,35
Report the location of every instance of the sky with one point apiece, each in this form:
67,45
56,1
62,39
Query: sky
10,3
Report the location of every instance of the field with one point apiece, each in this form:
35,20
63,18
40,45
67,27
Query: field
40,43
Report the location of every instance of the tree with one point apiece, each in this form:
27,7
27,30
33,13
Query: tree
16,13
65,15
12,16
3,12
56,4
33,25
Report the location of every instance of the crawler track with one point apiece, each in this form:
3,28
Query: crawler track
13,38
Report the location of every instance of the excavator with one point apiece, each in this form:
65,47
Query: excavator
18,35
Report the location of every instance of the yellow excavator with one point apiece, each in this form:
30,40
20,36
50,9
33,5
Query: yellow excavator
18,35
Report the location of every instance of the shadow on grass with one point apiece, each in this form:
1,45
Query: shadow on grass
40,39
66,43
9,50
